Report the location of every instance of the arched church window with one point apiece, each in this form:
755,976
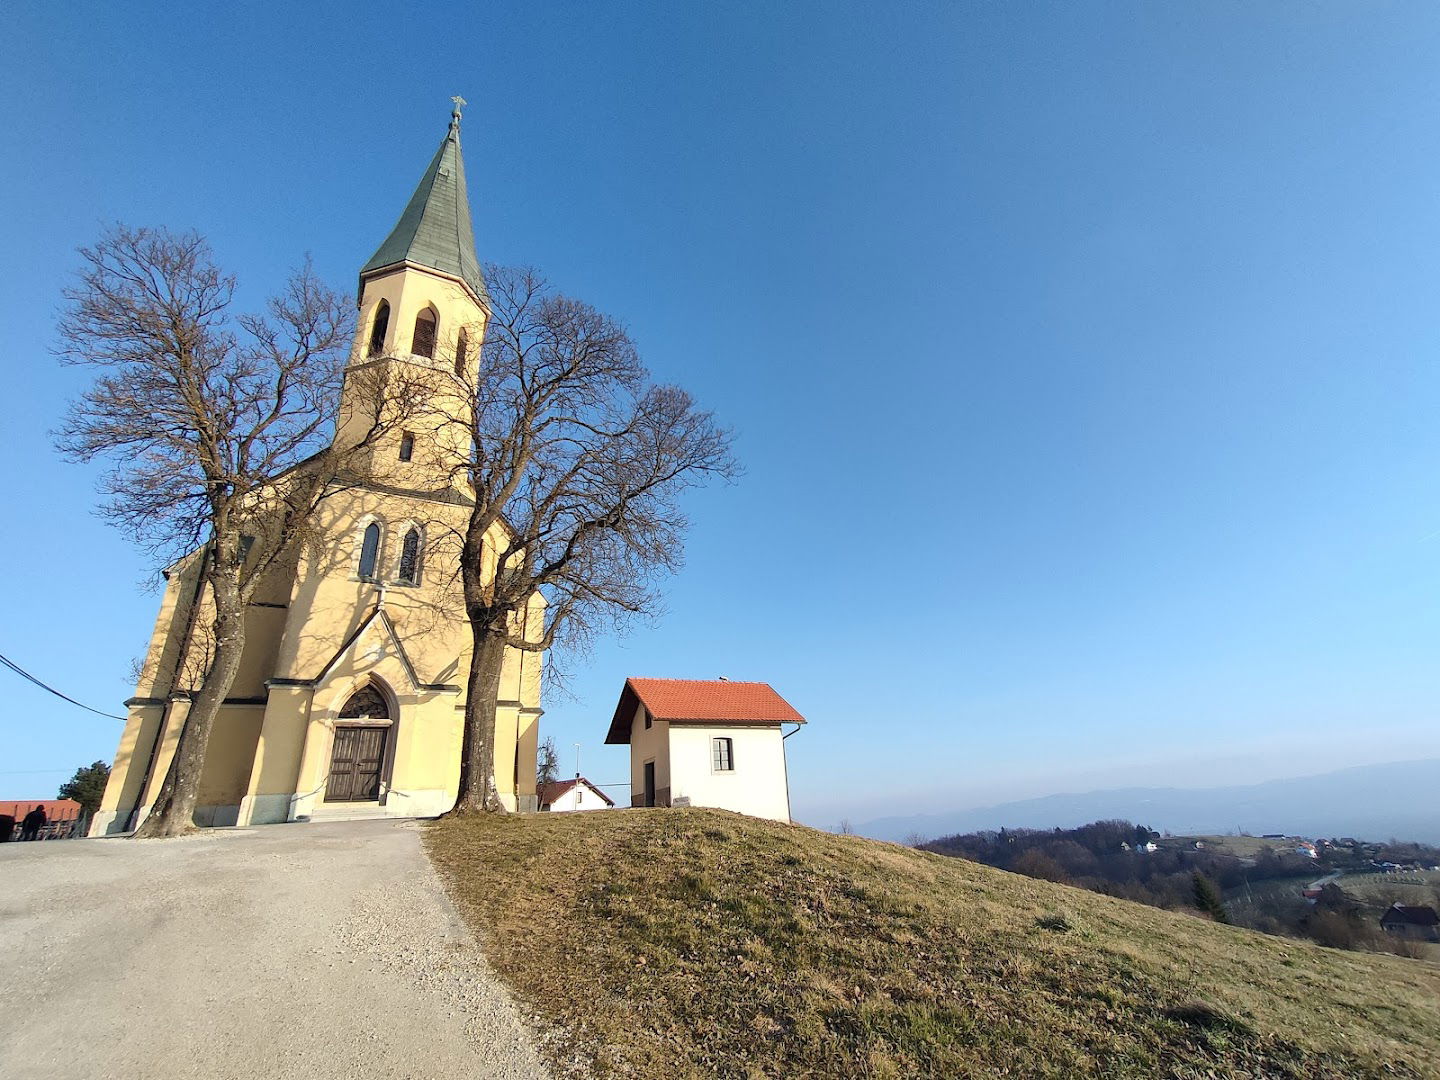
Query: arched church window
410,558
369,551
407,446
462,354
380,328
367,703
424,340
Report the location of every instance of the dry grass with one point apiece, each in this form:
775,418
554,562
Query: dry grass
699,943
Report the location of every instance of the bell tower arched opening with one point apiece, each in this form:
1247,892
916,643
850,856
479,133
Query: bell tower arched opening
379,328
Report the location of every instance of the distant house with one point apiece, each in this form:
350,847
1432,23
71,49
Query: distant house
1411,921
701,742
575,794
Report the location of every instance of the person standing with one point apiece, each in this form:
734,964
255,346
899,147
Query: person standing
33,823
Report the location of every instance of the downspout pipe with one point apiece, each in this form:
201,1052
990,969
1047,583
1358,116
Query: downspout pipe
785,764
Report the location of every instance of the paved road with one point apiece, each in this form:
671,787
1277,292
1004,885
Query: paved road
306,950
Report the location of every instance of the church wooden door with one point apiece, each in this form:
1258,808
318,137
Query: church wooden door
355,764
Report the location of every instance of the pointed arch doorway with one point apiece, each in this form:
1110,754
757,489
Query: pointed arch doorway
363,750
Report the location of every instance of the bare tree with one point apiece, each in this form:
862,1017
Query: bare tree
547,764
217,429
580,462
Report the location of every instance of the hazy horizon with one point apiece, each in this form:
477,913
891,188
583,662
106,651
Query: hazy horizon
1371,802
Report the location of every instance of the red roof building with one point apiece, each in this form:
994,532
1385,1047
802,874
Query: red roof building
61,816
706,742
560,795
700,701
55,809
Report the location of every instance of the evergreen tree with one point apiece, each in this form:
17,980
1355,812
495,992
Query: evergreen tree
1207,898
87,786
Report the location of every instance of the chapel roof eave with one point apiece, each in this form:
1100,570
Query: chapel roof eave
700,703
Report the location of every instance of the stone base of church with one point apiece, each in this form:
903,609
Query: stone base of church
311,806
274,810
264,809
113,822
409,804
217,817
277,809
106,822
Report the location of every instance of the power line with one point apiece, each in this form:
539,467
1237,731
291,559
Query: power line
50,689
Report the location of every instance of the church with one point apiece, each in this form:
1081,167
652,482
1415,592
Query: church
350,696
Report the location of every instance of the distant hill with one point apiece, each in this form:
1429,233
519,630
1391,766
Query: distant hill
1371,802
653,944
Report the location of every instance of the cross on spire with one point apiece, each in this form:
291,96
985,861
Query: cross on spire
459,103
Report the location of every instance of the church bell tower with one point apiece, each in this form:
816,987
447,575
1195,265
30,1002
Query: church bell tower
422,314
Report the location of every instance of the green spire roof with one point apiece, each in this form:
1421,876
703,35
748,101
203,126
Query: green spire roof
435,228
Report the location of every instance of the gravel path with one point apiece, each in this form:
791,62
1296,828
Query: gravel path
307,950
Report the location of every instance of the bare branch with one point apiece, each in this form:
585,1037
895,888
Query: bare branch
217,430
582,463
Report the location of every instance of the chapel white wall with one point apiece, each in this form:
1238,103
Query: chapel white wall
757,785
579,797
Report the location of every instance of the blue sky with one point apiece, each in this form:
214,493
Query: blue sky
1082,357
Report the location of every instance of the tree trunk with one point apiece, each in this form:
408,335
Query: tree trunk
174,809
478,789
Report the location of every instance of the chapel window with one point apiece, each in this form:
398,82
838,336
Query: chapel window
723,755
423,343
410,558
407,446
379,328
369,551
462,354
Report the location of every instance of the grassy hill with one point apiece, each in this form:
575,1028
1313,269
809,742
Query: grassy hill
697,943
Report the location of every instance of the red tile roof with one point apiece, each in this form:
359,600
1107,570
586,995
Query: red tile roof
555,788
55,809
700,701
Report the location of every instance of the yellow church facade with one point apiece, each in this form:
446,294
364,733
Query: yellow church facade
350,696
